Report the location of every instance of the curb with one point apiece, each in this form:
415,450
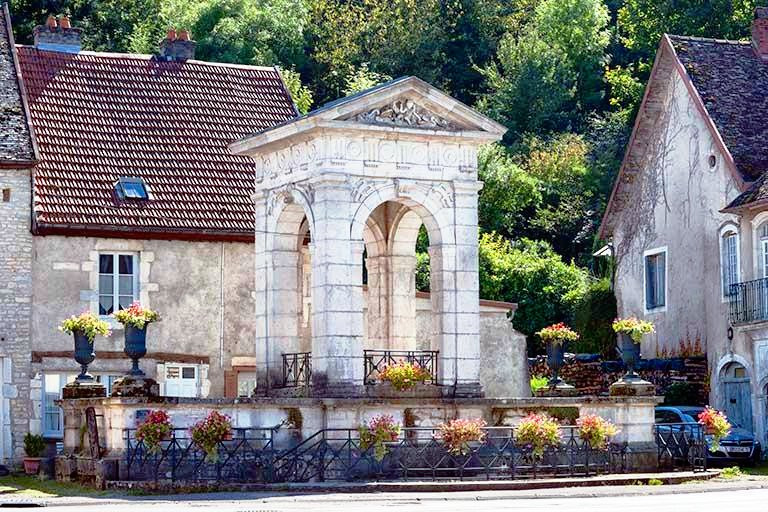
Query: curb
423,486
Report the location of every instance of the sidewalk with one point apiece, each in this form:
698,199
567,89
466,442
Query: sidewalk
602,486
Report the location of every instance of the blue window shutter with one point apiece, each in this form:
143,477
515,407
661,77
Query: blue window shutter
661,289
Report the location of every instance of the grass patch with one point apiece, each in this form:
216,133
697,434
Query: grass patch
35,487
730,473
655,481
760,470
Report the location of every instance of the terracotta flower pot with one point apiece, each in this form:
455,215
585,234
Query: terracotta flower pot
32,465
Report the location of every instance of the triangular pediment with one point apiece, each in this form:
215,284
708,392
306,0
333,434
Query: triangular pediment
408,113
406,104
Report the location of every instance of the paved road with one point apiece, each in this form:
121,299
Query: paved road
490,501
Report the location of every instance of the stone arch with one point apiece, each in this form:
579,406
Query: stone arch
736,395
435,217
281,323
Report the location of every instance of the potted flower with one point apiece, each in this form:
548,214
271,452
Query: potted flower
596,431
630,332
716,425
135,320
459,435
155,428
539,432
377,433
208,433
404,375
556,338
34,446
84,328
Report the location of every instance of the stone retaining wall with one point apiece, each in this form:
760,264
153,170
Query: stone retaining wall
593,376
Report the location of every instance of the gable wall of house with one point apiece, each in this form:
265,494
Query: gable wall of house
675,204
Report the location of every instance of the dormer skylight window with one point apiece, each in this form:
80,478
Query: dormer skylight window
131,188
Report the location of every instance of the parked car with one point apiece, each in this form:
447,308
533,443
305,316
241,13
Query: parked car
740,446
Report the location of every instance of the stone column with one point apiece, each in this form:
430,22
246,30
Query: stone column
377,314
402,296
277,296
337,293
455,297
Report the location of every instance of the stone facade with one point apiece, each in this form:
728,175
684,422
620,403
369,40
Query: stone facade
15,310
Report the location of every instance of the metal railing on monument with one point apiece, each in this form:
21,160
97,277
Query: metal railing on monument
376,360
681,446
297,369
276,455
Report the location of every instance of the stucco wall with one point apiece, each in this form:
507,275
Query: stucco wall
202,290
675,204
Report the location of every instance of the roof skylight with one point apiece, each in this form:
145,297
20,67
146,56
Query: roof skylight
131,188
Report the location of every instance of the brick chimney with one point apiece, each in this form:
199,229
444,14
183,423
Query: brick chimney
57,36
177,46
760,32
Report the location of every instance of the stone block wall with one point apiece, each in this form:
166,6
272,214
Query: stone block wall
15,310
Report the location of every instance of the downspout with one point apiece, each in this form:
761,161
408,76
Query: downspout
221,307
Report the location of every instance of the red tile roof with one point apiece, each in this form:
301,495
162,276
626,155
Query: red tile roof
99,116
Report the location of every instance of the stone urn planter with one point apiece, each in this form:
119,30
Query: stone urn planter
629,351
629,332
555,360
84,355
135,348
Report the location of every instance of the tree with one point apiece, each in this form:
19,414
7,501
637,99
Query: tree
642,22
267,32
363,78
531,274
300,94
548,78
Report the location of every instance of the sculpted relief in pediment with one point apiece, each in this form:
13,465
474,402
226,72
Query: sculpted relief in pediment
405,112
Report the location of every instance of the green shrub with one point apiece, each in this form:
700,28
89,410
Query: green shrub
681,393
538,382
732,472
34,445
655,481
593,313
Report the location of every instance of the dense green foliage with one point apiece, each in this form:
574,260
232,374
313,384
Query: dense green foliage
593,313
565,76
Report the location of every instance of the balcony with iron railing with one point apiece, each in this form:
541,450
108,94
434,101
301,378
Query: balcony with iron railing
748,302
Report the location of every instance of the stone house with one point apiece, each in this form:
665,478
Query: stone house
121,181
688,218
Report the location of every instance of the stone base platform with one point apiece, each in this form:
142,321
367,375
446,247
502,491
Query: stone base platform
634,416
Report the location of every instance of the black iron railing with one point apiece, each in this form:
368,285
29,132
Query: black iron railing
681,446
297,369
376,360
749,301
273,456
244,458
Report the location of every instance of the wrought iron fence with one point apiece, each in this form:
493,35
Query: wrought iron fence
272,455
681,446
297,369
244,458
376,360
749,301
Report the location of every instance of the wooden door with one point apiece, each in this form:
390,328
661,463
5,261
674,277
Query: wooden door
738,398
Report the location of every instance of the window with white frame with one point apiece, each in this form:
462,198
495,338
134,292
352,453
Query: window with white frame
729,258
53,383
655,262
181,380
118,281
762,249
